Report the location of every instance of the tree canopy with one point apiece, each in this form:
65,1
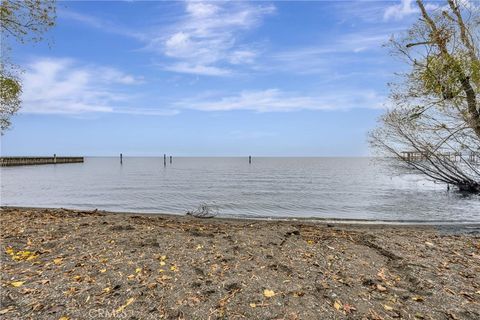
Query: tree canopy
435,106
21,21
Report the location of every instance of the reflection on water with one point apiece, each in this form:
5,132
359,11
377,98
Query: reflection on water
354,188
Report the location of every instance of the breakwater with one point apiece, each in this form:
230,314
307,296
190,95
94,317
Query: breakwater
27,161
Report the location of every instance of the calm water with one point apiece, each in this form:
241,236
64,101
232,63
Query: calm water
354,188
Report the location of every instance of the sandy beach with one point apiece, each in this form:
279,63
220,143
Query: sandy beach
67,264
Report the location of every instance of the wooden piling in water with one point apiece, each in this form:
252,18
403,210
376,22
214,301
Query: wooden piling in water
121,158
250,159
54,158
164,160
170,159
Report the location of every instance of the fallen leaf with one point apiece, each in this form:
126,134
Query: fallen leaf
64,318
381,274
268,293
387,307
253,305
417,298
173,268
162,263
57,261
138,270
121,308
381,288
337,305
8,309
103,270
17,284
348,308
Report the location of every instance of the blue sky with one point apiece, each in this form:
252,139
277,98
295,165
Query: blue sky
193,78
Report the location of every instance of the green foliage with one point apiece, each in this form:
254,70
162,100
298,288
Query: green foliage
10,90
22,21
26,20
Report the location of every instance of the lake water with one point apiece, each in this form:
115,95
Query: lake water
351,188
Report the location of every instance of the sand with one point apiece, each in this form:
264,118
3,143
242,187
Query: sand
97,265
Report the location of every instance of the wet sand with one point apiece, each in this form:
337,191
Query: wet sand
96,265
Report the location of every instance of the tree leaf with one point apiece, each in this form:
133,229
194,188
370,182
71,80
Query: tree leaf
337,305
17,284
268,293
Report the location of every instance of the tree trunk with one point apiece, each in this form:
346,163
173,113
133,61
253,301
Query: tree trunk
473,114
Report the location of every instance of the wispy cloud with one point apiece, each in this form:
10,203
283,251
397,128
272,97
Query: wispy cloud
275,100
64,86
101,24
205,39
331,54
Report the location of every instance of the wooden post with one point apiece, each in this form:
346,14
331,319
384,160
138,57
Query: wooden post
121,158
164,160
54,158
170,159
250,159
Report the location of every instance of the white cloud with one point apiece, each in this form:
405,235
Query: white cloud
63,86
205,40
399,11
274,100
197,69
404,9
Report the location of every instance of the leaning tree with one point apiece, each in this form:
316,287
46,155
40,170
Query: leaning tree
434,113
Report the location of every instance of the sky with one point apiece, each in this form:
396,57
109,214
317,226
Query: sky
192,78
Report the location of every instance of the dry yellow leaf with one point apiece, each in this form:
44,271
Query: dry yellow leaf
57,261
138,270
106,290
103,270
337,305
130,277
163,258
173,268
64,318
17,284
253,305
129,301
268,293
387,307
162,263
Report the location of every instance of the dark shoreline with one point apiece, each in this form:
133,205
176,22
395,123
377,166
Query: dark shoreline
471,227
